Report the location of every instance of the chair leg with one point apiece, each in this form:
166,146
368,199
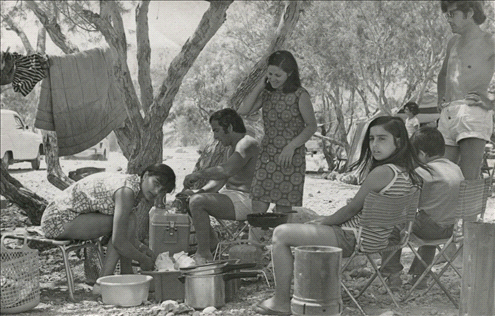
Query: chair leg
422,276
380,276
435,276
373,277
99,249
68,272
352,298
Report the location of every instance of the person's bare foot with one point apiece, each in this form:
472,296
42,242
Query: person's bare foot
270,307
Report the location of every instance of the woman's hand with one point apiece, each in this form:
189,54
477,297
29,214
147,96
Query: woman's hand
285,157
147,264
473,99
147,251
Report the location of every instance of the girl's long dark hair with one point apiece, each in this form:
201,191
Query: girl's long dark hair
405,156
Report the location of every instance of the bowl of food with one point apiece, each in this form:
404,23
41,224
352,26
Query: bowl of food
124,290
267,220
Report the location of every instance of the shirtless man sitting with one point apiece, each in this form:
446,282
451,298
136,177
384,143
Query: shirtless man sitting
466,118
226,195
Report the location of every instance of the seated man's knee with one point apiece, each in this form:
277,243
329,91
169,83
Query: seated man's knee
196,201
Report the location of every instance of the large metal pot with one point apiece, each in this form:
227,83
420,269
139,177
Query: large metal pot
205,290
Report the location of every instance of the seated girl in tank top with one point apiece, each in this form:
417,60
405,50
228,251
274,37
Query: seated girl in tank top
387,163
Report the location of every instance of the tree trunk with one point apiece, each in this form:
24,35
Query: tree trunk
215,152
30,202
141,137
55,174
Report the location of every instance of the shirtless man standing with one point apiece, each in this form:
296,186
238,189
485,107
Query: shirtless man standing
466,118
231,202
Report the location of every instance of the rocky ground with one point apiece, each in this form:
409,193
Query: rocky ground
321,195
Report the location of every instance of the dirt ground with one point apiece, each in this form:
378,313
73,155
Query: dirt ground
321,195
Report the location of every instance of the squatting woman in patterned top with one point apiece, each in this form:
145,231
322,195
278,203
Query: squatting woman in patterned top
103,204
289,121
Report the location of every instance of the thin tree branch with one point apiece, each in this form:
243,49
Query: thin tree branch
211,21
331,140
15,27
52,28
144,54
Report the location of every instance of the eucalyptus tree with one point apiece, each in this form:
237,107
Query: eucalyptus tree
140,139
367,56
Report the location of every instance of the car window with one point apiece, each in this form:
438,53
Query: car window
18,122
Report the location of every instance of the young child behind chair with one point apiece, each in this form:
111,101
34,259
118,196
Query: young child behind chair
437,204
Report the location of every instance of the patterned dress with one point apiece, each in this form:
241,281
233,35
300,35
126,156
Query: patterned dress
282,122
93,194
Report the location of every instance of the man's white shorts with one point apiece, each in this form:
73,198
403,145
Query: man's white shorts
459,121
242,203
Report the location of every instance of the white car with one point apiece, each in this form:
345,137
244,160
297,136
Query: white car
18,143
99,151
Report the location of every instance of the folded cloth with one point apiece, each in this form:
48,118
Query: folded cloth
80,99
27,70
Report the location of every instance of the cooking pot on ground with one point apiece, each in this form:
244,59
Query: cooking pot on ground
205,290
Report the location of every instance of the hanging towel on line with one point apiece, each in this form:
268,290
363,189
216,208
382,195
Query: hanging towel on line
28,70
80,99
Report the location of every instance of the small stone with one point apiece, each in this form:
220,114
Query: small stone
170,314
209,310
169,306
196,313
387,313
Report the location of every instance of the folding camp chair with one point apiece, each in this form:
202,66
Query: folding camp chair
380,214
66,246
473,196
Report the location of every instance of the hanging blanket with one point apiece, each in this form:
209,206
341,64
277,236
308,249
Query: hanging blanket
80,100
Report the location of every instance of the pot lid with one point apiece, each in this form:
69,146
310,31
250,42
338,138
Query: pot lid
208,266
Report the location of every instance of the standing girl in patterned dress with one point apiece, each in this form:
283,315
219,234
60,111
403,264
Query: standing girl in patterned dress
289,121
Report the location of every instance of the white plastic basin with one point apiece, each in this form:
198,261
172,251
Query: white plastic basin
124,290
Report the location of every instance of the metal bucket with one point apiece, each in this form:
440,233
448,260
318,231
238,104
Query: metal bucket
317,281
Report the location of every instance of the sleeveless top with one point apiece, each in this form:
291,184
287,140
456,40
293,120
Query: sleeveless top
376,238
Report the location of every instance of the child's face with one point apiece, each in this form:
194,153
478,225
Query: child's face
408,113
382,144
276,76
